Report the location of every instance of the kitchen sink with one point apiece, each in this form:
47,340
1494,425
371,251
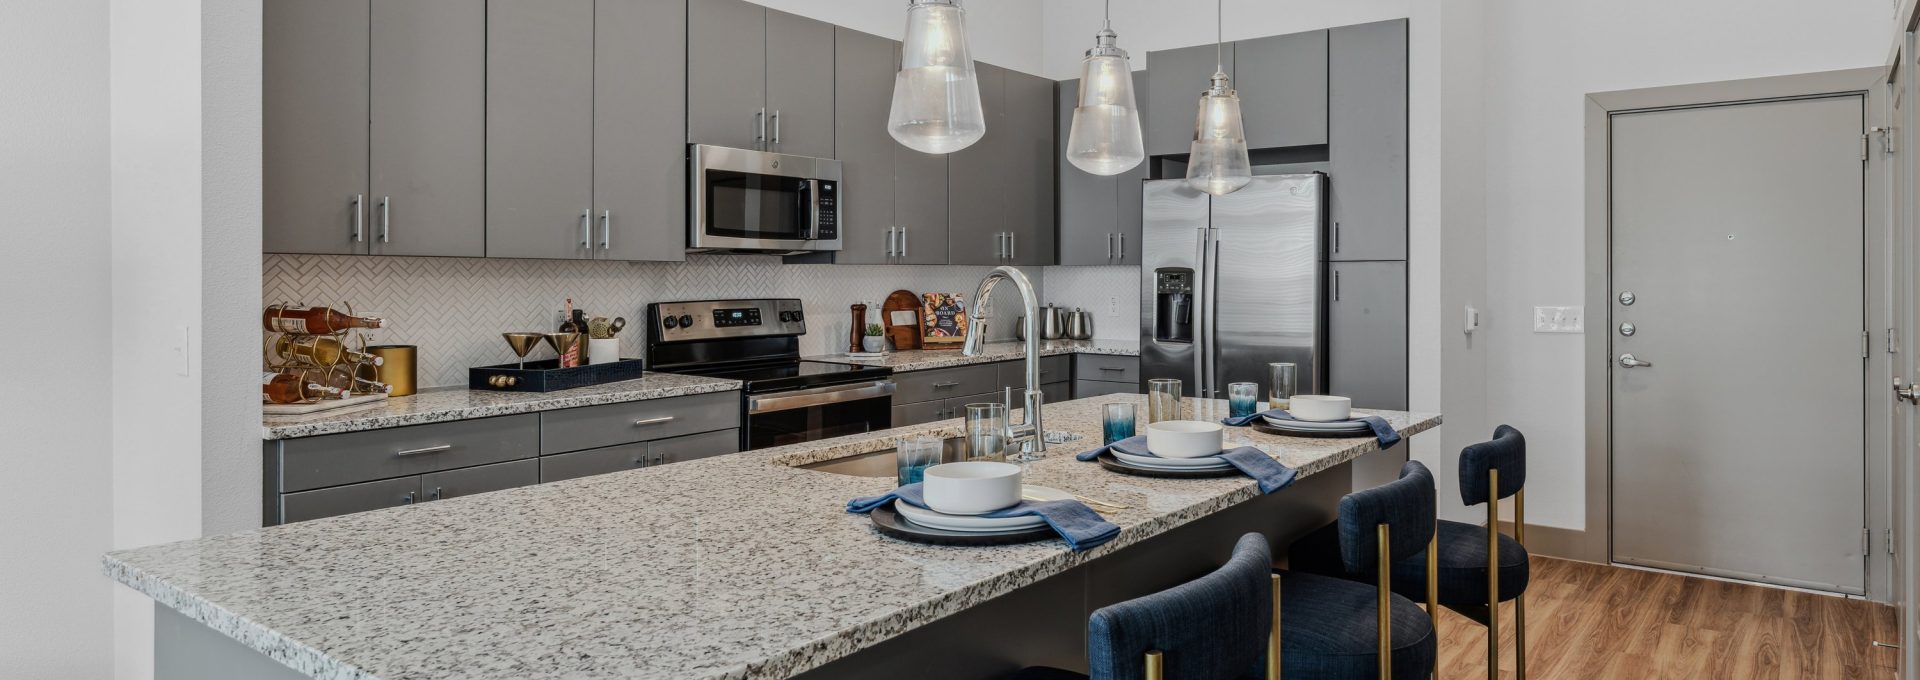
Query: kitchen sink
885,463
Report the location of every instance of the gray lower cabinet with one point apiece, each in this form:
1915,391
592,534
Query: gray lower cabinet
1367,95
427,136
694,446
1282,82
540,128
314,100
1053,369
343,500
1367,333
315,462
639,130
473,480
594,462
942,393
917,413
590,427
1094,388
1176,78
1107,368
941,383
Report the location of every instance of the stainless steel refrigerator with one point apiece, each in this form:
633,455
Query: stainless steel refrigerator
1233,283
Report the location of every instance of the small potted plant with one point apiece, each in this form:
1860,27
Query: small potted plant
875,340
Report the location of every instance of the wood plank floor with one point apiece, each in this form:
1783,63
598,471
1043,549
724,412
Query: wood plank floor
1595,621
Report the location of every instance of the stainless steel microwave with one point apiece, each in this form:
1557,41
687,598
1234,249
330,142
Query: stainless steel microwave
755,201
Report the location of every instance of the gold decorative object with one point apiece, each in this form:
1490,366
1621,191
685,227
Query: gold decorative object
340,359
398,368
522,343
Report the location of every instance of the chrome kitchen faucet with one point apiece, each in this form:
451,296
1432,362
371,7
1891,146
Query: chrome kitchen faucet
1029,434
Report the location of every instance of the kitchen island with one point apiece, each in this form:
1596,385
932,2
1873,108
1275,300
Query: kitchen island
742,566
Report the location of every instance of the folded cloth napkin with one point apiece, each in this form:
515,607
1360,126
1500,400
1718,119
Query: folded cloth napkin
1382,430
1074,521
1250,461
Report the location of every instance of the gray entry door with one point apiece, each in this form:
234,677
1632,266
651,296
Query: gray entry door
1739,450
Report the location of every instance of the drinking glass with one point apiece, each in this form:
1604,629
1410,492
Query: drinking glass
1281,384
1118,422
915,455
986,431
1242,397
1163,399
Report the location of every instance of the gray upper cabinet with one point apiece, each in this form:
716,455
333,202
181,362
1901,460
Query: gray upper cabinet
639,130
800,90
1131,192
540,128
1367,331
1368,148
726,73
314,126
1282,82
1098,217
976,181
920,207
428,136
1029,179
863,90
1176,78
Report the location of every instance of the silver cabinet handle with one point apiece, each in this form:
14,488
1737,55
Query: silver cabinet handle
359,217
903,241
606,230
386,217
1123,244
1109,245
407,499
760,123
1115,369
1627,361
434,495
586,228
891,231
776,125
1336,285
424,450
1336,237
945,385
1012,247
653,421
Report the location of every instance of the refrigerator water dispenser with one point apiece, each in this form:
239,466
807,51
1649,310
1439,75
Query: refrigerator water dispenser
1173,305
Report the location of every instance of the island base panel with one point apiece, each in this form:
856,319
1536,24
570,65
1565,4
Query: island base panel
185,649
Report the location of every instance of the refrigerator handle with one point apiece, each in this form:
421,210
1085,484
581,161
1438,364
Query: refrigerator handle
1209,316
1202,338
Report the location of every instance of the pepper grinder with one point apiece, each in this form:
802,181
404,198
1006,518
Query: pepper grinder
859,329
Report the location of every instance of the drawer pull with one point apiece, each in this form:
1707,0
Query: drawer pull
424,450
653,421
945,385
1110,368
434,495
407,499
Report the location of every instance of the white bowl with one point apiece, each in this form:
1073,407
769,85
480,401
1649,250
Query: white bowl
972,488
1184,438
1315,408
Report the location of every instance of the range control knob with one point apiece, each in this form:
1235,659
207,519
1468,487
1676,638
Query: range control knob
799,315
670,322
786,317
686,320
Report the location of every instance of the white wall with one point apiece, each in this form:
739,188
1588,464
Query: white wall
55,515
1157,24
1005,33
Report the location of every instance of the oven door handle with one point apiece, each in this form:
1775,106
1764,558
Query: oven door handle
819,396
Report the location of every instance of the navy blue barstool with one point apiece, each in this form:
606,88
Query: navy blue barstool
1331,635
1221,625
1472,568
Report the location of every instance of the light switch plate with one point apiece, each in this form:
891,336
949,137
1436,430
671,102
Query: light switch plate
1559,320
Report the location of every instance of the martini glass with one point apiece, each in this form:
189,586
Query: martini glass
522,343
564,342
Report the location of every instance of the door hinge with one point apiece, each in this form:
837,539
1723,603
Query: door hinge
1866,541
1889,541
1863,147
1886,137
1865,341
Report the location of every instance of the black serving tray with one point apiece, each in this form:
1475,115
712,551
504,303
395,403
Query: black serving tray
546,375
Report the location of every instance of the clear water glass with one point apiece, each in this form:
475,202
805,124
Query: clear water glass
915,455
1118,422
1163,400
1242,398
1281,382
986,431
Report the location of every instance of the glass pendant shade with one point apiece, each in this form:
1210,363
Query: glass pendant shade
1218,163
1105,138
936,96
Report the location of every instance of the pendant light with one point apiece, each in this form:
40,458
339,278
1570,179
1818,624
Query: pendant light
936,96
1105,139
1218,162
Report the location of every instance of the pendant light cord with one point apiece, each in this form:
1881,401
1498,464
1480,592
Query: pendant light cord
1219,35
1107,14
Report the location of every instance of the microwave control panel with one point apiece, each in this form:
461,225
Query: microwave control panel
829,227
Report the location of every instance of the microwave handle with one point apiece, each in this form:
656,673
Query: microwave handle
812,201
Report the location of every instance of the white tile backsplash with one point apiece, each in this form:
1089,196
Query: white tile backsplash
1111,293
456,308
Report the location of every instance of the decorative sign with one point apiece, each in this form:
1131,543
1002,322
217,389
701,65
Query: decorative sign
944,316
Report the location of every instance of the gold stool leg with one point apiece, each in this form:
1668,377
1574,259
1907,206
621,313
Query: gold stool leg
1154,670
1384,566
1520,603
1493,574
1273,640
1433,587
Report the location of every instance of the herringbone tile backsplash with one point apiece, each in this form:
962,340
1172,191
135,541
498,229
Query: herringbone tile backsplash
456,308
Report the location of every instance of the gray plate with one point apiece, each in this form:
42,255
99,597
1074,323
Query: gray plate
890,523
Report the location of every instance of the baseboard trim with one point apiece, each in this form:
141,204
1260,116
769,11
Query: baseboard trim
1566,544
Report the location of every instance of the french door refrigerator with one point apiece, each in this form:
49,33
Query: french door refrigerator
1233,283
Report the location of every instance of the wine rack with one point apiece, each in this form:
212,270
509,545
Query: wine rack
331,359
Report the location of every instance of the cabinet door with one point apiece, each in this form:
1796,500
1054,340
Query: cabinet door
1282,82
639,130
473,480
800,92
920,204
349,499
727,72
1367,333
593,462
1094,388
915,414
977,181
314,99
1368,152
428,151
863,67
539,128
1130,191
1029,123
694,447
1087,201
1176,78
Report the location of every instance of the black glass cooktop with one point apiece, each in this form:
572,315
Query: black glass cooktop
787,375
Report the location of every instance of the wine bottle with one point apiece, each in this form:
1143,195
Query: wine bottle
313,320
350,379
320,350
282,388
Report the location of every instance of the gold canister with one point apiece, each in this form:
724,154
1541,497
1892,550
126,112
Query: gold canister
397,369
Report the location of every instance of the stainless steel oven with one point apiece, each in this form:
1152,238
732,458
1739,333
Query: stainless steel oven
744,200
803,415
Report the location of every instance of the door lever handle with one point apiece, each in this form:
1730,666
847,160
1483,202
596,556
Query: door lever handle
1905,392
1627,361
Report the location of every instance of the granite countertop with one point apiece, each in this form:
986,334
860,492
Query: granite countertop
924,359
685,571
459,403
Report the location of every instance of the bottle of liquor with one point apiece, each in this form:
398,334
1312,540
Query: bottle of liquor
282,388
312,320
320,350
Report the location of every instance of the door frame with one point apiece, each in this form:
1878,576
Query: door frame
1595,543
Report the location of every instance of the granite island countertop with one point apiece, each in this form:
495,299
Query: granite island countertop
441,404
685,571
926,359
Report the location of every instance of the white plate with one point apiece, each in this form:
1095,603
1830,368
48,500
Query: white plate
939,520
1207,463
1341,426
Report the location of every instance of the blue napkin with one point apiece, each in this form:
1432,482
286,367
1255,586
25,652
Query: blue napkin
1078,524
1382,430
1250,461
